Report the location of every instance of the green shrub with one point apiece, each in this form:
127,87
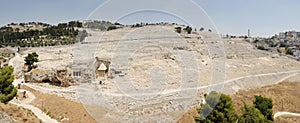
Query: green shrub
178,29
261,48
111,28
7,90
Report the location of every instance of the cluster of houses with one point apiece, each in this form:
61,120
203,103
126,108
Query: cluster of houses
287,43
288,36
290,42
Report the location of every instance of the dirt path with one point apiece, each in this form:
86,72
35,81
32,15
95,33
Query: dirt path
26,104
285,114
295,72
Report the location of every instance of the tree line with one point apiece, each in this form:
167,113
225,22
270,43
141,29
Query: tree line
61,34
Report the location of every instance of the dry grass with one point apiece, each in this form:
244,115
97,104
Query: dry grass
61,109
20,114
287,119
285,96
188,117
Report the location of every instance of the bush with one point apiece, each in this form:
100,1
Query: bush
289,52
10,96
111,28
7,90
261,48
251,115
189,29
178,29
31,58
264,105
218,108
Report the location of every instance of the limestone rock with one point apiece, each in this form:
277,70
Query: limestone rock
4,118
55,77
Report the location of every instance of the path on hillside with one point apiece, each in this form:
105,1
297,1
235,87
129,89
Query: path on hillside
285,114
26,104
295,72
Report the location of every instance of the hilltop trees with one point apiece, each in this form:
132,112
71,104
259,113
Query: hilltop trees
7,90
178,29
111,28
201,29
25,36
189,29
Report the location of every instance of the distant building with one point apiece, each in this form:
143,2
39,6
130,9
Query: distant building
282,35
297,53
292,35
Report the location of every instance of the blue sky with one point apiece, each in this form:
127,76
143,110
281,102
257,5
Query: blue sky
263,17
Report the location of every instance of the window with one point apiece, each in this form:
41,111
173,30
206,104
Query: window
76,73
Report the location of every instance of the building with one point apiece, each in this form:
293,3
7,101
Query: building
297,53
101,71
292,35
282,35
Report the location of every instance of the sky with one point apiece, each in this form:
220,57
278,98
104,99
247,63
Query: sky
263,17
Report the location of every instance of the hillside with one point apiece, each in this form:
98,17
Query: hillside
153,73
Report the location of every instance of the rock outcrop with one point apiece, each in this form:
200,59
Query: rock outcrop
56,77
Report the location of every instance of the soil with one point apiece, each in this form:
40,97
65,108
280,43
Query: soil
21,115
59,108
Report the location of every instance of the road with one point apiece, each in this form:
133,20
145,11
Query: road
26,104
285,114
295,72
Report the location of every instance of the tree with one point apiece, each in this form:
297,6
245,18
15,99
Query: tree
289,52
82,35
218,108
201,29
189,29
178,29
7,90
30,59
261,47
251,115
264,105
111,28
